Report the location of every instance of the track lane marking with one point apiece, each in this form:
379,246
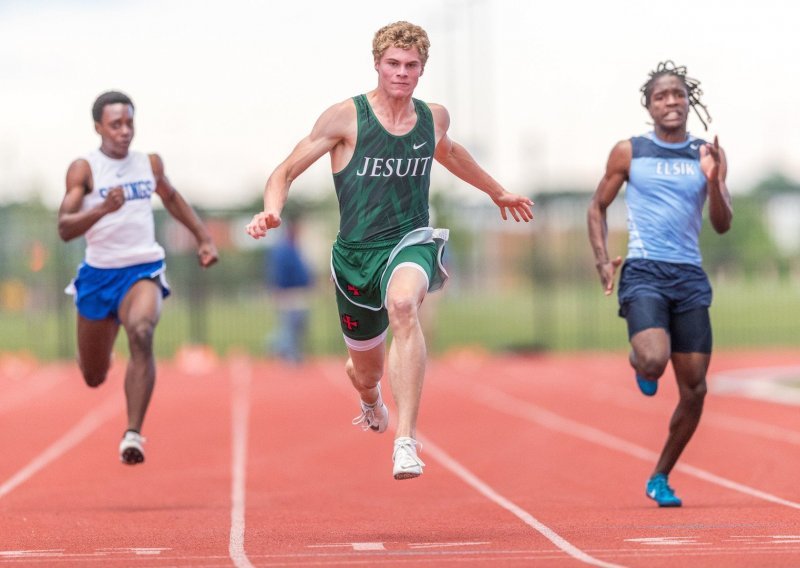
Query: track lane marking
771,384
507,404
752,428
643,550
484,489
449,463
624,398
73,437
241,374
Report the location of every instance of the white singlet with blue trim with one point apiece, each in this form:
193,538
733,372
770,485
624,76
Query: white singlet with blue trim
665,195
125,237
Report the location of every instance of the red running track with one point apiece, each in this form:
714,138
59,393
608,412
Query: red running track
531,461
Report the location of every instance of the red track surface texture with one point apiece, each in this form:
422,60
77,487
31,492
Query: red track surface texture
530,462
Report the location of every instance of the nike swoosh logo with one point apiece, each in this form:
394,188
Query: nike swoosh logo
418,146
652,494
694,146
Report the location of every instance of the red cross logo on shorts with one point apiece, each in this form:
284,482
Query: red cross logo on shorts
352,289
350,323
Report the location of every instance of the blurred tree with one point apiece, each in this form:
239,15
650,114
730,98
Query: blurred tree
775,183
747,248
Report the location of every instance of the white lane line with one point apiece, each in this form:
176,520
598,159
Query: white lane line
473,481
241,375
626,398
772,384
73,437
484,489
504,403
753,428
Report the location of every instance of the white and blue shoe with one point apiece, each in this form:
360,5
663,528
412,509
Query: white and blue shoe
659,491
647,386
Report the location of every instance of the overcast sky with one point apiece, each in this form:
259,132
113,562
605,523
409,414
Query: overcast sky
539,91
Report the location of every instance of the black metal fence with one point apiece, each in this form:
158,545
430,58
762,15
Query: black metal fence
513,286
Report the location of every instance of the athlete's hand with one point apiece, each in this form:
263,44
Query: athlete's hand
607,270
207,253
261,223
519,206
115,198
710,159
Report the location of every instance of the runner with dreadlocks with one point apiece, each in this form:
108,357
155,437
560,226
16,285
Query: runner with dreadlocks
664,293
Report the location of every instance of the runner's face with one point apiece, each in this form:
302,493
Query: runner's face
116,129
399,71
669,103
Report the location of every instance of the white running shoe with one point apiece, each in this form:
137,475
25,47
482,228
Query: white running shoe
131,448
373,417
407,464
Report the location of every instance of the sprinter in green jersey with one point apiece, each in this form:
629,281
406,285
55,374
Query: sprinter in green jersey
386,258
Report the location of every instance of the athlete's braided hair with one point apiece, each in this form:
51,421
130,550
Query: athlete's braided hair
692,87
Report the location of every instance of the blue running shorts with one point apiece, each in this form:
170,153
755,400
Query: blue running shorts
99,291
675,297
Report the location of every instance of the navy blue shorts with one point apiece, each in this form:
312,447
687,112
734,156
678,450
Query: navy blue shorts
99,291
675,297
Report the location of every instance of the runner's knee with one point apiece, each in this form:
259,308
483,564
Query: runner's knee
367,376
694,393
651,365
402,309
94,377
140,336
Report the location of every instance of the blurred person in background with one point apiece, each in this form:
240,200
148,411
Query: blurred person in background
121,280
386,257
290,281
664,293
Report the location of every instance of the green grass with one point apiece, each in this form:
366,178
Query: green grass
757,314
563,318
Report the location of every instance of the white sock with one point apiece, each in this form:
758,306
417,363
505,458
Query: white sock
377,402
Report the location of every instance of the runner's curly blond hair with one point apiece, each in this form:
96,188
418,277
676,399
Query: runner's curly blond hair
404,35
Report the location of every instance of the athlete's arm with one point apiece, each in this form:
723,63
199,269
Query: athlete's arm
335,127
715,167
617,168
72,222
460,163
177,206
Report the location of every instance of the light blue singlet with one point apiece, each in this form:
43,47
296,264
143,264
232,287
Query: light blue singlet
665,195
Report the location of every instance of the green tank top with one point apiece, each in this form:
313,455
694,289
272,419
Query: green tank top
383,190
